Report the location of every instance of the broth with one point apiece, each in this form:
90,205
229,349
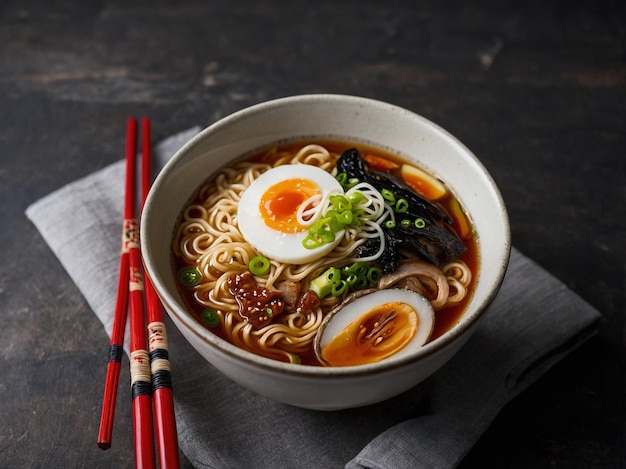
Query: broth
215,296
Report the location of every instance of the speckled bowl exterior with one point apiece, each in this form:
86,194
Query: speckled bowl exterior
336,117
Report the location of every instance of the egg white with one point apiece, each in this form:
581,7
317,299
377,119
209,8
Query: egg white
274,244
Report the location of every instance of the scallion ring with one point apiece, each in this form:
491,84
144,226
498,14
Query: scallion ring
388,196
374,274
259,265
402,206
351,183
340,203
338,288
351,280
361,283
356,197
333,275
420,223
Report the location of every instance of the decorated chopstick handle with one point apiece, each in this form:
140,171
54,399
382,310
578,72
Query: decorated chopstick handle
141,383
140,374
159,356
162,394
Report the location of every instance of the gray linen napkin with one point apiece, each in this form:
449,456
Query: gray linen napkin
534,321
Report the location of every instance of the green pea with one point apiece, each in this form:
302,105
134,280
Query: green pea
189,276
210,318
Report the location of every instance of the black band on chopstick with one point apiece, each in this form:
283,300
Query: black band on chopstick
141,388
161,379
160,366
115,353
159,354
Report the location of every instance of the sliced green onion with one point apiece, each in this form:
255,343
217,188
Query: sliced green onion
325,228
373,275
327,234
333,274
323,284
338,288
351,183
351,279
405,223
361,283
340,203
259,265
269,312
210,318
402,206
358,213
344,218
356,197
342,178
388,196
189,276
420,223
357,268
348,270
310,241
390,224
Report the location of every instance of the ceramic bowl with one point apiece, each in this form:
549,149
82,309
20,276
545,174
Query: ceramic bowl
337,117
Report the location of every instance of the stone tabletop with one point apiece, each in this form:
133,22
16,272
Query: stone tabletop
537,90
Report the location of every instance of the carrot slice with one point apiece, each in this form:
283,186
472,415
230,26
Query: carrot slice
460,223
422,182
378,163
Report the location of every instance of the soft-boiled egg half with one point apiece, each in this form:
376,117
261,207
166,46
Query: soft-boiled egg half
276,211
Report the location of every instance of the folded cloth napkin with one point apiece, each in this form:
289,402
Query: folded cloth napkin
533,322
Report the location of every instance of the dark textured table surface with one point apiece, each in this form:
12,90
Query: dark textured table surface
536,89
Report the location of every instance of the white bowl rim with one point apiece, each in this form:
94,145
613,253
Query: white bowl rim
320,372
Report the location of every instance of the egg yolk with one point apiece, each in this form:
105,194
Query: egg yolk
280,203
379,333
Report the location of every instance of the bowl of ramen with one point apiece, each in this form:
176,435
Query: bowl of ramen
325,251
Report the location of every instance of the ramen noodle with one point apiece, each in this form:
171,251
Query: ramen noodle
274,242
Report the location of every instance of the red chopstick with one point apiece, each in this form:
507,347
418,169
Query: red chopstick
165,419
141,382
116,347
